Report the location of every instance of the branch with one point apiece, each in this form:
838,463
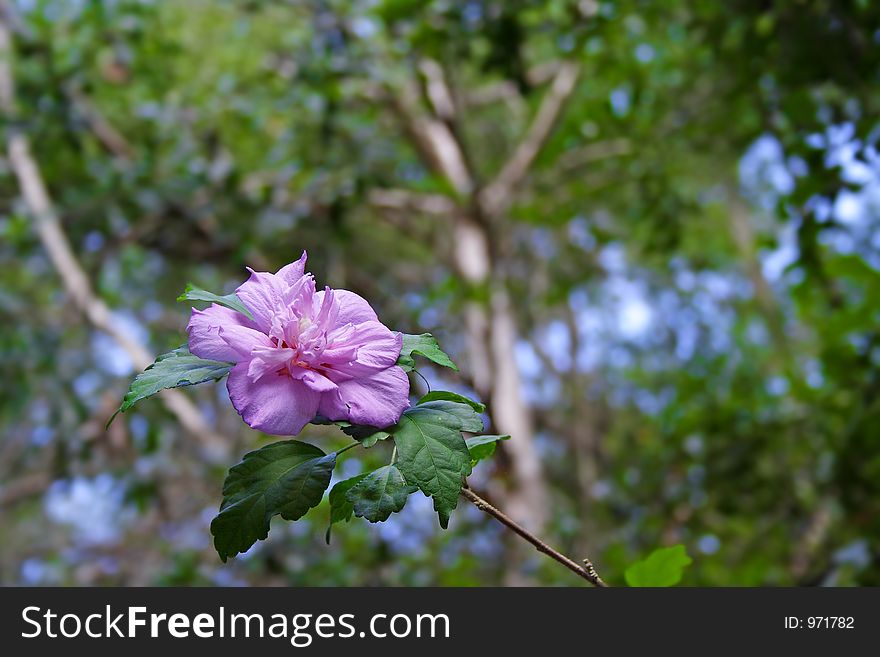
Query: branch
493,93
589,153
73,277
433,139
506,90
107,135
405,200
587,571
495,197
438,90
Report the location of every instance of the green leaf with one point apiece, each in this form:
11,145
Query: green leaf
340,508
379,494
286,478
467,417
438,395
172,370
422,345
432,453
663,567
193,293
482,447
366,435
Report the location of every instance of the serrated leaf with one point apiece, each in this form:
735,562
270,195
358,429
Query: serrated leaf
174,369
286,478
381,493
193,293
432,453
340,508
422,345
482,447
663,567
445,395
468,418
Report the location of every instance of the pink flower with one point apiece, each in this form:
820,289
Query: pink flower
304,353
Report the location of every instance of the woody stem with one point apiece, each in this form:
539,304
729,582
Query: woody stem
587,571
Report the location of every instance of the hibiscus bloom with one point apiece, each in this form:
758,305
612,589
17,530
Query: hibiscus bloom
304,353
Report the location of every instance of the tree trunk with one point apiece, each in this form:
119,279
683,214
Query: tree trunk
492,336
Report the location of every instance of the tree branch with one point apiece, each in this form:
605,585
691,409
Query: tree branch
407,201
587,571
589,153
506,90
433,139
438,90
107,135
51,234
496,197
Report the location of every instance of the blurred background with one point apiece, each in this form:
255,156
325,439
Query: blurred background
649,232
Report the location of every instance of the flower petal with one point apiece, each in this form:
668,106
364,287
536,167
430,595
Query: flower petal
268,360
242,339
377,349
376,400
353,308
263,294
291,273
276,405
315,380
204,332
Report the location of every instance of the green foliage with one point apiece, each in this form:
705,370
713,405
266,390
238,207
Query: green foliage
379,494
340,506
424,345
432,452
193,293
663,567
429,443
174,369
366,435
482,447
443,395
286,478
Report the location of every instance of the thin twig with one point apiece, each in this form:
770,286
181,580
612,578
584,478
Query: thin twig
587,570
